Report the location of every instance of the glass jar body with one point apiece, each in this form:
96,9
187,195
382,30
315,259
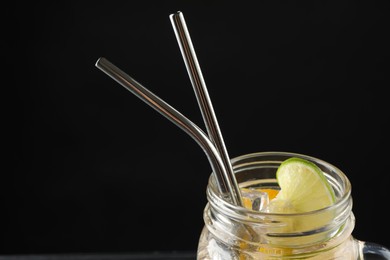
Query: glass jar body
233,232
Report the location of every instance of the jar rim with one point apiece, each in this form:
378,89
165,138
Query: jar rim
242,212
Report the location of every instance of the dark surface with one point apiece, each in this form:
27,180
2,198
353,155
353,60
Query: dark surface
90,168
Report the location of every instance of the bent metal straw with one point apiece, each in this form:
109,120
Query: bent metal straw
174,116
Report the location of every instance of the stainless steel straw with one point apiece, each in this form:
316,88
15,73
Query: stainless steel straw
199,85
174,116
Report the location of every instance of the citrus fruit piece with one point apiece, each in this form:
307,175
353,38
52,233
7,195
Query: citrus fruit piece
303,188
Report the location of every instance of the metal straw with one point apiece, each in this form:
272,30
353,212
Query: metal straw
174,116
199,85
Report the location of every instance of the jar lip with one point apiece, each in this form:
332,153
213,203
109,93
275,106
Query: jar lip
282,153
342,201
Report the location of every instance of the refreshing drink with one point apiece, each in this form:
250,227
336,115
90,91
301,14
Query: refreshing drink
299,208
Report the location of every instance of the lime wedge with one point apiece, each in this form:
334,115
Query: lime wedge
303,187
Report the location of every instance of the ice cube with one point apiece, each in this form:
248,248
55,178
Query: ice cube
255,199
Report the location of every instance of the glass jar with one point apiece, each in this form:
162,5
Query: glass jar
234,232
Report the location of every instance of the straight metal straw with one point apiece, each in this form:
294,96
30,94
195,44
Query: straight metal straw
199,85
174,116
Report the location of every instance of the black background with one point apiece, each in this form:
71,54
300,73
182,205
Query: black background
91,168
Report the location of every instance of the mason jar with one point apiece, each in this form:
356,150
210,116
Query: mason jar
235,232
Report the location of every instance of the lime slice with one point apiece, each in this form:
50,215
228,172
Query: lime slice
303,186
